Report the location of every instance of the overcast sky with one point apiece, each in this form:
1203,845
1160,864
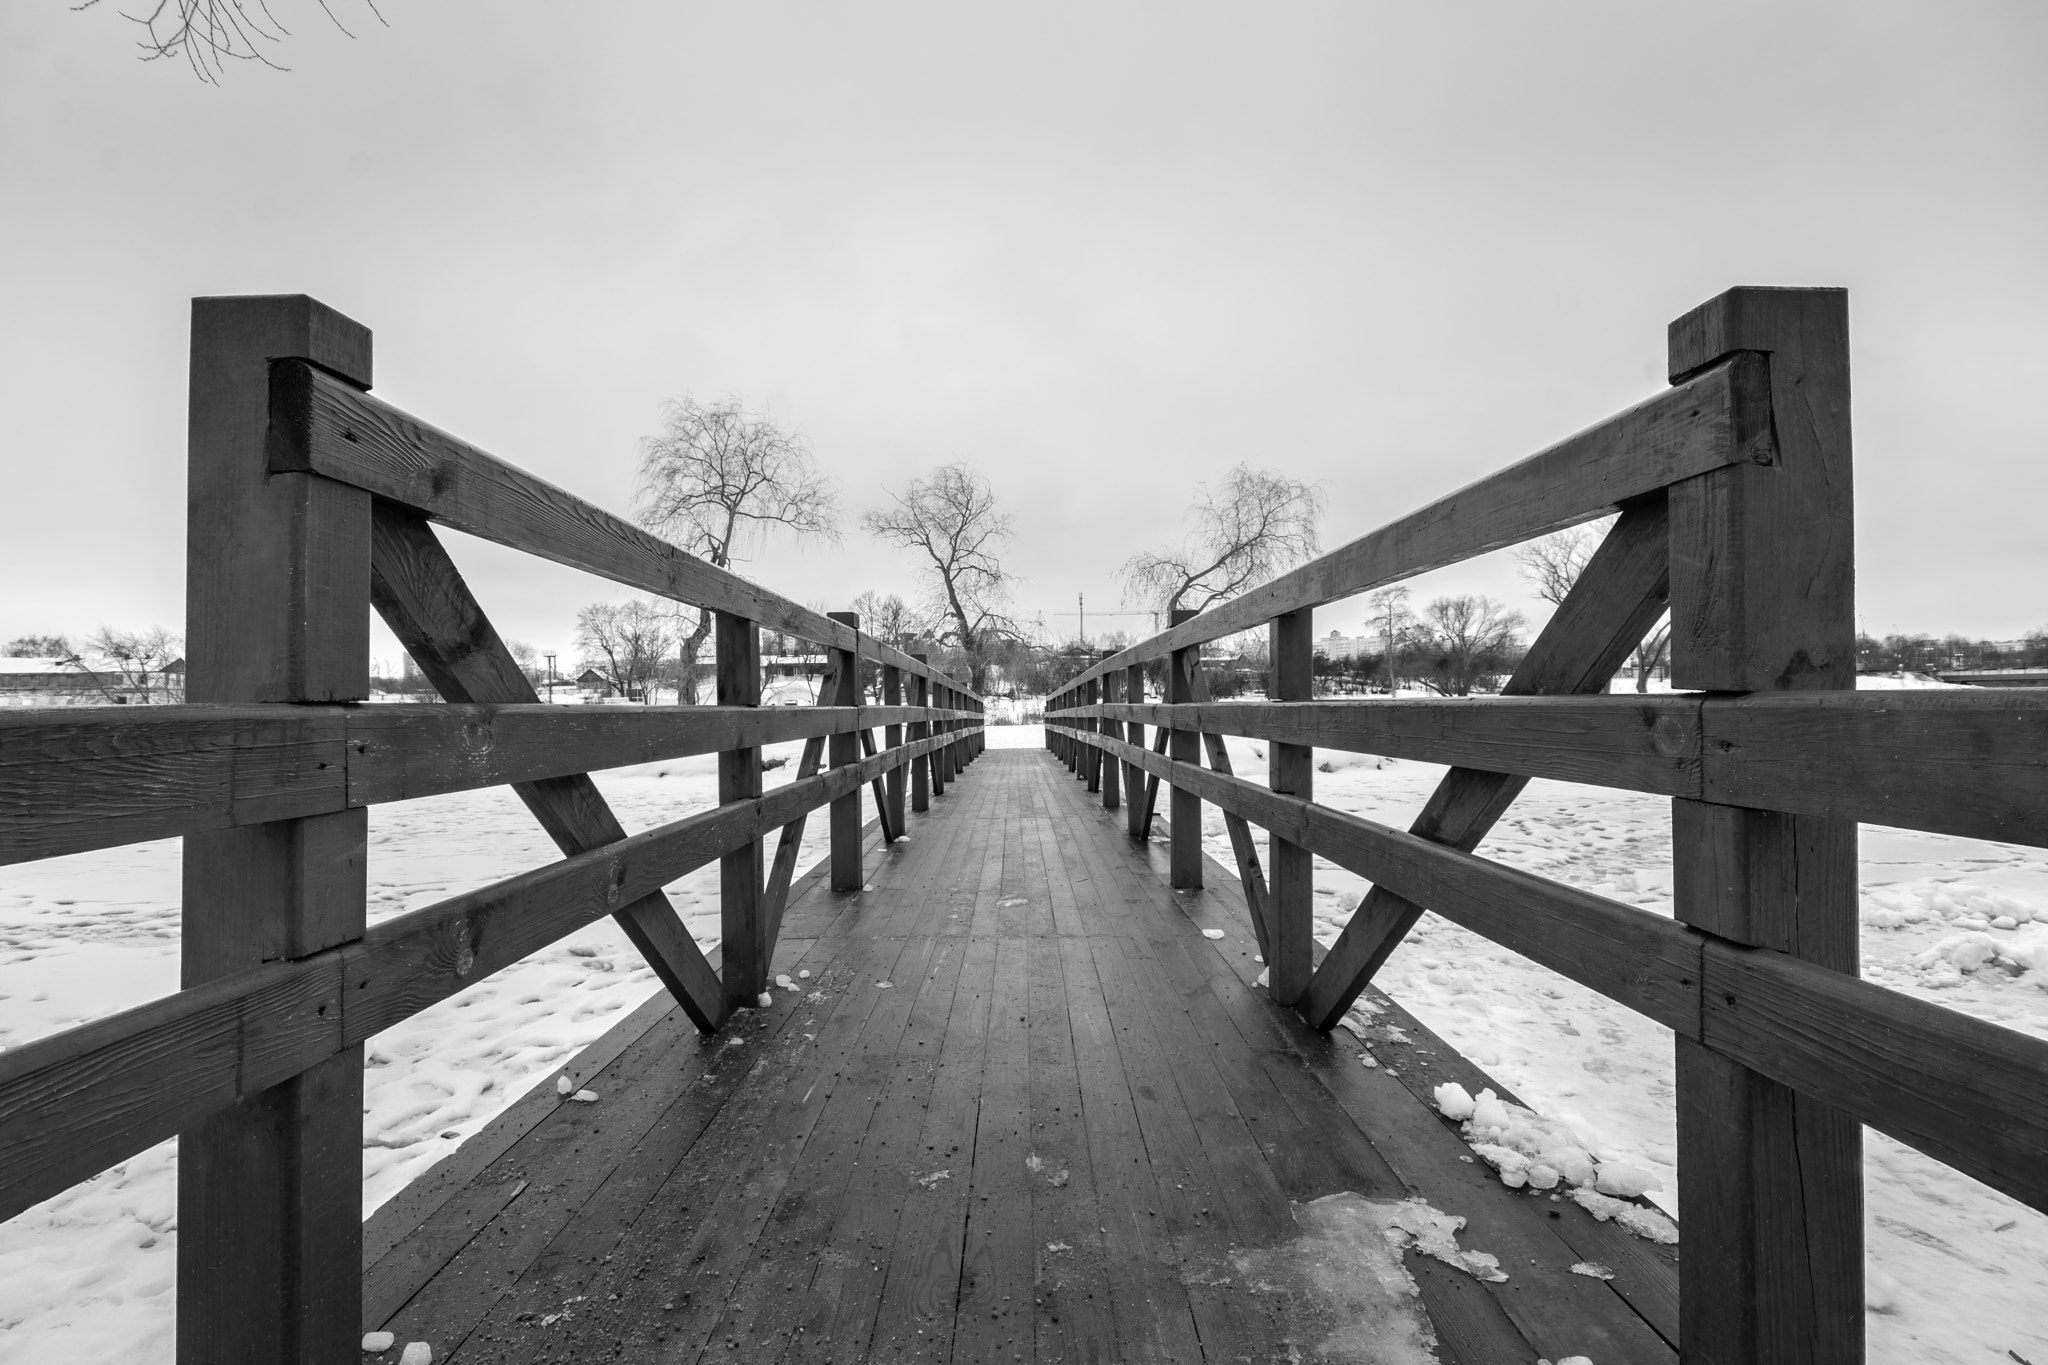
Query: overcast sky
1100,252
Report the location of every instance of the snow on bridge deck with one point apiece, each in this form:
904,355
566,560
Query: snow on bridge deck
1022,1109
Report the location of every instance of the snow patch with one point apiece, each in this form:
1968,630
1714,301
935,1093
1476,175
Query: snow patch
1212,933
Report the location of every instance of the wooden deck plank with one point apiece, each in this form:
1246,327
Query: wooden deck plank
1054,1010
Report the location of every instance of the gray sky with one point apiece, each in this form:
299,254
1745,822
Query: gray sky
1102,253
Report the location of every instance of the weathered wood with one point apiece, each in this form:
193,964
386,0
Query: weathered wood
277,570
891,831
326,427
1185,808
1243,847
1616,600
845,817
789,844
1288,941
72,780
745,948
1640,743
920,771
1642,960
892,735
1112,685
1716,418
422,597
1762,600
1964,1091
1972,763
1137,800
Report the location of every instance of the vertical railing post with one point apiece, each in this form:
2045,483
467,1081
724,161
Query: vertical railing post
844,751
1091,757
1290,768
892,738
941,700
1184,747
743,958
277,610
1762,584
921,766
1135,818
1112,692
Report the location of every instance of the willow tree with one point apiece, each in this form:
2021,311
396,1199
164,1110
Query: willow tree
719,479
950,518
1257,524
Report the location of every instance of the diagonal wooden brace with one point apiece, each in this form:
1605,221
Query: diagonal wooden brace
790,842
880,787
1159,741
1617,599
420,594
1249,873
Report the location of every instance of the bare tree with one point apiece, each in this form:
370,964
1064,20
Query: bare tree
1461,640
1390,618
951,518
718,478
209,34
132,665
38,647
1552,565
1258,524
625,642
889,619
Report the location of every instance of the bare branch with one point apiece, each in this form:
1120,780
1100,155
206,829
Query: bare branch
1259,524
951,518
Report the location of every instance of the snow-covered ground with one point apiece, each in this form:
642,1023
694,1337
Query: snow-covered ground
1960,1273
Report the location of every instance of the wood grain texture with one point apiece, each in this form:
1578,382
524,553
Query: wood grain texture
326,427
1288,942
422,597
1967,1092
744,944
1184,811
1711,420
1762,600
843,750
1639,743
1642,960
277,570
72,780
1617,598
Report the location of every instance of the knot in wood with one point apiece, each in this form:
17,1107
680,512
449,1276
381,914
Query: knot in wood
1667,733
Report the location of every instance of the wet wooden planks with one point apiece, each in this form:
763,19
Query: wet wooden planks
1068,1129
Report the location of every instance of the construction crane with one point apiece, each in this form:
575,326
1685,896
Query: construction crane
1081,611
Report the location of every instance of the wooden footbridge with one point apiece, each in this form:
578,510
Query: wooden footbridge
1055,1087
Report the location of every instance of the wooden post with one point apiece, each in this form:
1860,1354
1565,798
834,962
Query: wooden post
1762,599
921,766
1290,768
844,746
892,737
277,610
1137,815
1185,747
1112,692
743,962
1091,756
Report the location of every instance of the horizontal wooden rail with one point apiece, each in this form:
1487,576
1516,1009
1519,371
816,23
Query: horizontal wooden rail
73,780
77,1102
1969,1093
1972,763
1718,418
322,425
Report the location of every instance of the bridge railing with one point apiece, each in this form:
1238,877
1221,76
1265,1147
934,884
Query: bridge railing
311,503
1734,494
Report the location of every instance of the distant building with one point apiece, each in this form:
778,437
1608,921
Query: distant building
59,682
1340,648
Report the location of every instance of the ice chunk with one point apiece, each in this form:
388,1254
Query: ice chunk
1434,1233
1489,1112
1593,1270
585,1097
1571,1164
764,1000
374,1342
1543,1177
783,982
1645,1223
1265,978
417,1353
563,1085
885,985
1453,1101
1212,933
804,975
1625,1182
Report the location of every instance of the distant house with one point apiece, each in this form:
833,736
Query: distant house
60,682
